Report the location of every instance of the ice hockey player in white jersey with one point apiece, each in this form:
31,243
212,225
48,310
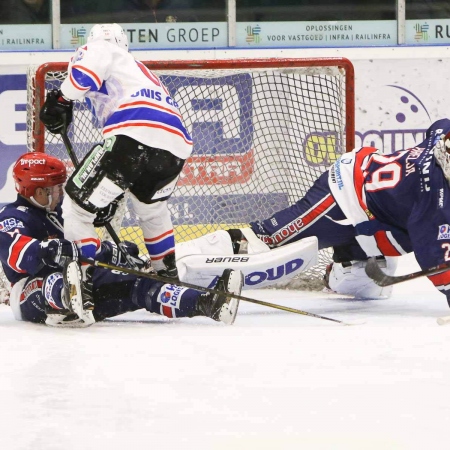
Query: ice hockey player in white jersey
145,146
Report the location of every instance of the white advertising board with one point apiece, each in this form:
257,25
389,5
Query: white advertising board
316,34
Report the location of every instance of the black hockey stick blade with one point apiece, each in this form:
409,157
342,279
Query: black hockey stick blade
374,272
156,277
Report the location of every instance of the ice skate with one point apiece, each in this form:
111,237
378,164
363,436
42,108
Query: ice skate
76,297
221,307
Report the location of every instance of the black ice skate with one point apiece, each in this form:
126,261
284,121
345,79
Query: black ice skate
171,270
221,307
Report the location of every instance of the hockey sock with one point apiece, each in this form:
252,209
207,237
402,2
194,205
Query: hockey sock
169,300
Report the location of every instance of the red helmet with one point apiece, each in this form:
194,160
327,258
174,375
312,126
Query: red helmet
36,169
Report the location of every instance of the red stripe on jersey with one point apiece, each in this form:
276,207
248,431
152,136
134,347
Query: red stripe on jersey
89,241
440,279
92,74
318,210
385,245
16,251
304,221
358,175
76,85
150,75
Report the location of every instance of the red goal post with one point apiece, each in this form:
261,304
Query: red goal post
263,131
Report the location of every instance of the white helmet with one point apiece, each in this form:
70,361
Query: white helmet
111,32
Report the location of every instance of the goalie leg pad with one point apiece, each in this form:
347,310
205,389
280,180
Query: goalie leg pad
351,279
259,269
217,243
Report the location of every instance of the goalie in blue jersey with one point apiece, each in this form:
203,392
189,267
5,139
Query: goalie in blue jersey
369,205
43,269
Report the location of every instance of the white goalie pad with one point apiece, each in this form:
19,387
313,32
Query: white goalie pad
259,269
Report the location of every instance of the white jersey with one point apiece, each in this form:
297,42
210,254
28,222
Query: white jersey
126,97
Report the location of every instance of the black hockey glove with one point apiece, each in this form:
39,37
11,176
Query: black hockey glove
106,214
110,254
57,252
56,114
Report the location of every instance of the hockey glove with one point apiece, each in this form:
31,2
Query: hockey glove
110,254
106,214
56,114
57,252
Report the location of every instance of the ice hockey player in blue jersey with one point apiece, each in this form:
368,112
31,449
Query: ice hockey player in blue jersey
371,204
45,275
145,146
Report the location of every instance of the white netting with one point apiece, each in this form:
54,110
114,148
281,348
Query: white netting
263,131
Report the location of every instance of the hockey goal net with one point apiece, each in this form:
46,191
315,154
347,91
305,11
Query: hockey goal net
263,131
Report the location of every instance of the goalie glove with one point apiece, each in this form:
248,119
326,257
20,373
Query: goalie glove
106,214
56,114
58,252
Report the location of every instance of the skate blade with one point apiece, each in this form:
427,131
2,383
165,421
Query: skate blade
229,309
75,293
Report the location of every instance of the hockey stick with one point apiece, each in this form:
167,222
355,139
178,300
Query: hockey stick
374,271
154,276
108,226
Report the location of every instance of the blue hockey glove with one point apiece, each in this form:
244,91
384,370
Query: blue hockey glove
57,252
110,254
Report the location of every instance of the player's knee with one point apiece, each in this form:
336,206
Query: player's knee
351,279
145,292
33,302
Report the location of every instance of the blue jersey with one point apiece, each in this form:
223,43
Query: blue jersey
398,203
22,227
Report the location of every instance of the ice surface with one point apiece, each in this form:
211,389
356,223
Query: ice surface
274,380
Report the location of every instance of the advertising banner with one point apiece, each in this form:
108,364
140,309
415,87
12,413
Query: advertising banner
431,32
156,35
25,37
317,34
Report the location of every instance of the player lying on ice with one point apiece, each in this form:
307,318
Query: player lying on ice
46,279
367,204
